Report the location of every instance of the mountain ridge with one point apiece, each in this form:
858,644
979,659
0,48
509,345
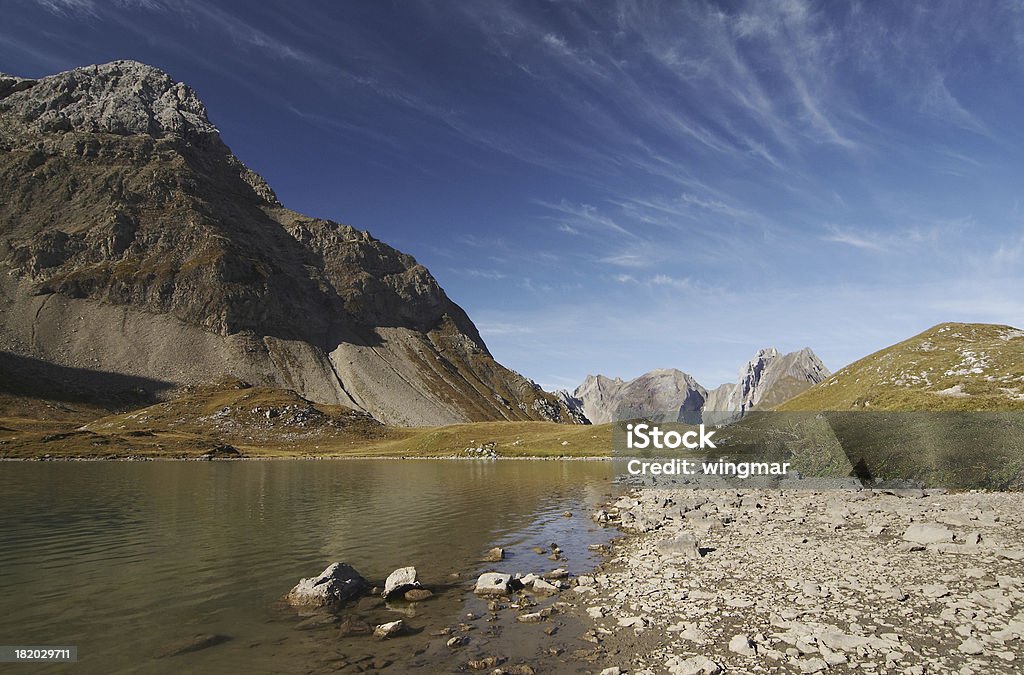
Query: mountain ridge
132,241
766,380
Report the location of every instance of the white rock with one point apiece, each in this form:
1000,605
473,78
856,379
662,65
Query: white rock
684,545
541,587
742,645
400,581
492,583
971,646
928,533
812,665
695,665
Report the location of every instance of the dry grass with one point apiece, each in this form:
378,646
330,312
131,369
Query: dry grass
262,422
950,367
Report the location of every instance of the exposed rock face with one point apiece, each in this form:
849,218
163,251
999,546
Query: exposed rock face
573,405
133,242
765,381
719,399
664,394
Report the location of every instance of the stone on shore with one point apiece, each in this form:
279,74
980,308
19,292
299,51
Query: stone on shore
541,587
972,647
684,545
336,585
928,533
492,583
742,645
695,665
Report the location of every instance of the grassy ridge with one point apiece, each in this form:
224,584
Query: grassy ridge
950,367
262,422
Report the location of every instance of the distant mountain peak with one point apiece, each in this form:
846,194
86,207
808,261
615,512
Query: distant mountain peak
767,379
664,392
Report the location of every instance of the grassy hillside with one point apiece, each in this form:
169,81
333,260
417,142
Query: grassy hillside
950,367
264,422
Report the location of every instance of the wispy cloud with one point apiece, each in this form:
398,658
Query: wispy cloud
847,237
939,101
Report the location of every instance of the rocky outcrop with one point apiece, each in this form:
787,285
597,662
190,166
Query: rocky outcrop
662,395
133,242
573,405
765,381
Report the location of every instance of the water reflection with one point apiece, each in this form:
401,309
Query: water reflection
122,558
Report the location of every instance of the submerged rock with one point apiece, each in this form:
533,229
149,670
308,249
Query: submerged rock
193,644
388,630
417,595
333,587
496,554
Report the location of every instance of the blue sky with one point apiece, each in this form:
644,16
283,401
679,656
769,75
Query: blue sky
619,186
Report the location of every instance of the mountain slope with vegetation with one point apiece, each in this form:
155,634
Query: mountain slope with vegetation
949,367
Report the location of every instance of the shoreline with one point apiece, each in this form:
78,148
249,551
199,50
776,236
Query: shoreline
317,458
708,581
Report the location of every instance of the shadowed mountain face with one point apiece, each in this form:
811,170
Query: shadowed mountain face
133,242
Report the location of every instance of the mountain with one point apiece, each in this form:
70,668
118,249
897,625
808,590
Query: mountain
765,381
952,366
137,250
663,394
573,405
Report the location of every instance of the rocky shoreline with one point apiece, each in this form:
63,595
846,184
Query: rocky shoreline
706,581
906,581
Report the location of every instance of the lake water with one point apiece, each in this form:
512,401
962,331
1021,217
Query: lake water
124,559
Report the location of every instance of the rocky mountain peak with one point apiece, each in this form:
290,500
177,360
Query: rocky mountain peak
665,392
124,209
766,380
121,97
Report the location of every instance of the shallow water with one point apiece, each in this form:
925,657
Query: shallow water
123,559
